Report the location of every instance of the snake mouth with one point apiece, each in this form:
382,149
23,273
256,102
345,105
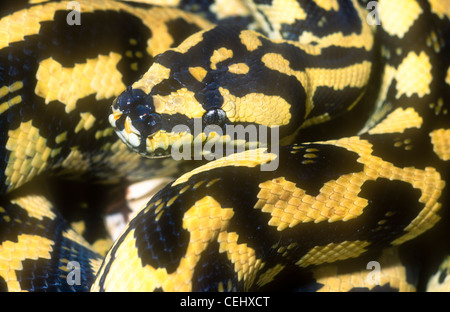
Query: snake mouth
150,145
135,121
153,135
178,144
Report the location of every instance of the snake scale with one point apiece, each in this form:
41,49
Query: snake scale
355,95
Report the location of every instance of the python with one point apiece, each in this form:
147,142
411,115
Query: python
360,177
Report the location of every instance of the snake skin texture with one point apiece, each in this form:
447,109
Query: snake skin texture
351,101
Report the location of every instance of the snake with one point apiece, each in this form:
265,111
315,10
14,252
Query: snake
312,141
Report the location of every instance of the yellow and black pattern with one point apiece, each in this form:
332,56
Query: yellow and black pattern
226,75
57,82
440,280
54,75
328,200
38,247
362,112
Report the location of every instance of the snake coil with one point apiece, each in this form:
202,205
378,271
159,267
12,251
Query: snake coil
358,109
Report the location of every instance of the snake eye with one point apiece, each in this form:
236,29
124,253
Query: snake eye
130,97
215,116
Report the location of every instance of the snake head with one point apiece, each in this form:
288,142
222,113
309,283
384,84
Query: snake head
137,123
215,79
134,119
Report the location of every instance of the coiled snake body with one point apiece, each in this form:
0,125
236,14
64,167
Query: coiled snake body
358,97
